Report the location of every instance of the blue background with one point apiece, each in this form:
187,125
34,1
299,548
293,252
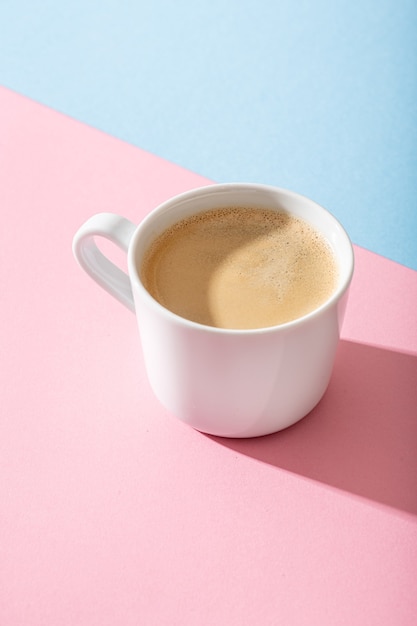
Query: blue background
318,96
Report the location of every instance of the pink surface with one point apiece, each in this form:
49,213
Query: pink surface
111,511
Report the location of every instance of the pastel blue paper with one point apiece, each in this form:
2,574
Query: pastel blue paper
316,96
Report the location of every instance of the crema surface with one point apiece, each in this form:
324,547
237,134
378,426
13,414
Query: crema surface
240,268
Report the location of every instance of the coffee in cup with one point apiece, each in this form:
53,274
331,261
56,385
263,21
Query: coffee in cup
240,268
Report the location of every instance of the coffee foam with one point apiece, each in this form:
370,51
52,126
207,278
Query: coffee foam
238,267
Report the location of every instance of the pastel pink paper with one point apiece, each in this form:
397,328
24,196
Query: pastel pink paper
111,511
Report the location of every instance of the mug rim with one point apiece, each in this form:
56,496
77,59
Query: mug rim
134,275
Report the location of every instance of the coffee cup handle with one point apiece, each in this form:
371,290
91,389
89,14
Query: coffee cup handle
117,229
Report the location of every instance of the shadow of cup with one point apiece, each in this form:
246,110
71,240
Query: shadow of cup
362,437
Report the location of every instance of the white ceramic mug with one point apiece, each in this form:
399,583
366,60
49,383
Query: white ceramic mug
231,383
